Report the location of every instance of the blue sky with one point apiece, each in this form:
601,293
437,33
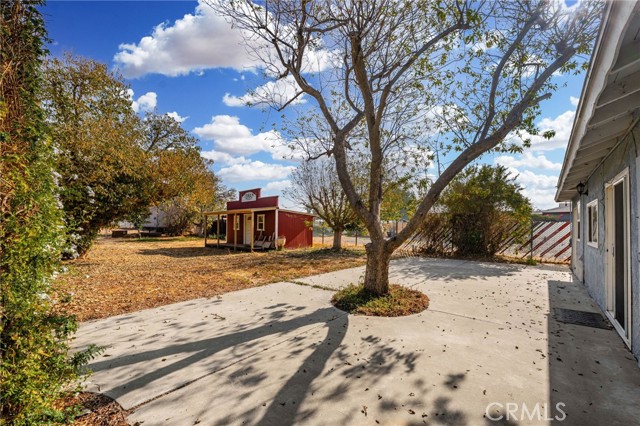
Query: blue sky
181,59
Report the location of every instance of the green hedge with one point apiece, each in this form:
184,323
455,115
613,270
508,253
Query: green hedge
35,367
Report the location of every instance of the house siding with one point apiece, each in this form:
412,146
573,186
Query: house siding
589,263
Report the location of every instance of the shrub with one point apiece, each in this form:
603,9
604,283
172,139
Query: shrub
34,363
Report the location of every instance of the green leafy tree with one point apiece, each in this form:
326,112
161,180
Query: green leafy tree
163,133
102,165
183,183
35,366
382,75
189,187
481,203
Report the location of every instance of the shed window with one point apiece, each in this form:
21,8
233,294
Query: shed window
578,224
236,222
592,223
260,223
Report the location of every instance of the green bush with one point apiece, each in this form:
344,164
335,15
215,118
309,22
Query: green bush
35,367
483,204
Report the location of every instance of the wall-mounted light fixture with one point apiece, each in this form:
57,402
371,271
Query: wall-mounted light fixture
582,189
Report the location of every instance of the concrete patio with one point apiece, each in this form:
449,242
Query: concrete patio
281,354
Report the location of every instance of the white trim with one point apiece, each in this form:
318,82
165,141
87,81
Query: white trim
623,177
590,242
259,223
246,238
618,329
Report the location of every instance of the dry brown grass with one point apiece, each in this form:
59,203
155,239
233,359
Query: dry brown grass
120,276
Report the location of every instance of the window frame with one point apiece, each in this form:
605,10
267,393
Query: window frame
260,222
592,239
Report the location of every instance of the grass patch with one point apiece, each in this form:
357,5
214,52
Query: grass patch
400,301
121,275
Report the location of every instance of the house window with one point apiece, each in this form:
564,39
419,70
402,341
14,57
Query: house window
260,223
592,223
236,222
577,215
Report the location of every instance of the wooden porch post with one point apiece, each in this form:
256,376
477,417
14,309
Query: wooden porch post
252,228
205,229
277,235
235,232
218,231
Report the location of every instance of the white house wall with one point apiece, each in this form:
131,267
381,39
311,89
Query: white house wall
590,262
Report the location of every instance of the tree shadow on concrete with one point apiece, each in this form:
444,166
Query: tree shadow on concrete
204,349
423,269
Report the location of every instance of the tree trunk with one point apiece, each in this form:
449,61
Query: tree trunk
376,276
337,239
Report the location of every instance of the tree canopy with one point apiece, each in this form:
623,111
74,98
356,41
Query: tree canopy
385,77
113,164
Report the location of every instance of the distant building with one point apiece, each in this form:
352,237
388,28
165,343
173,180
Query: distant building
254,221
560,213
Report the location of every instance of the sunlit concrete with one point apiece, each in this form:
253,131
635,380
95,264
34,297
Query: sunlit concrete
281,354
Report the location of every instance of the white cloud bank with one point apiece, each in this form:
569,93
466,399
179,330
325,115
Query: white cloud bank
144,103
561,124
539,188
196,42
277,92
233,138
254,170
176,116
528,160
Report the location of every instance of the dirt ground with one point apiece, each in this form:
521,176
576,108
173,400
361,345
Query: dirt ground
118,276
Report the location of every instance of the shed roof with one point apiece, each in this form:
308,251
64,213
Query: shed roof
255,210
610,100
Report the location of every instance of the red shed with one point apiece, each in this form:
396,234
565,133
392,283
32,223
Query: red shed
256,222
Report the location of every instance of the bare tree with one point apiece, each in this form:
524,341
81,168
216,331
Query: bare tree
315,185
379,68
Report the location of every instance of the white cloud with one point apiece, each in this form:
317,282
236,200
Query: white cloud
277,92
539,188
574,101
196,42
527,159
176,116
223,157
234,138
144,103
277,186
254,170
561,124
